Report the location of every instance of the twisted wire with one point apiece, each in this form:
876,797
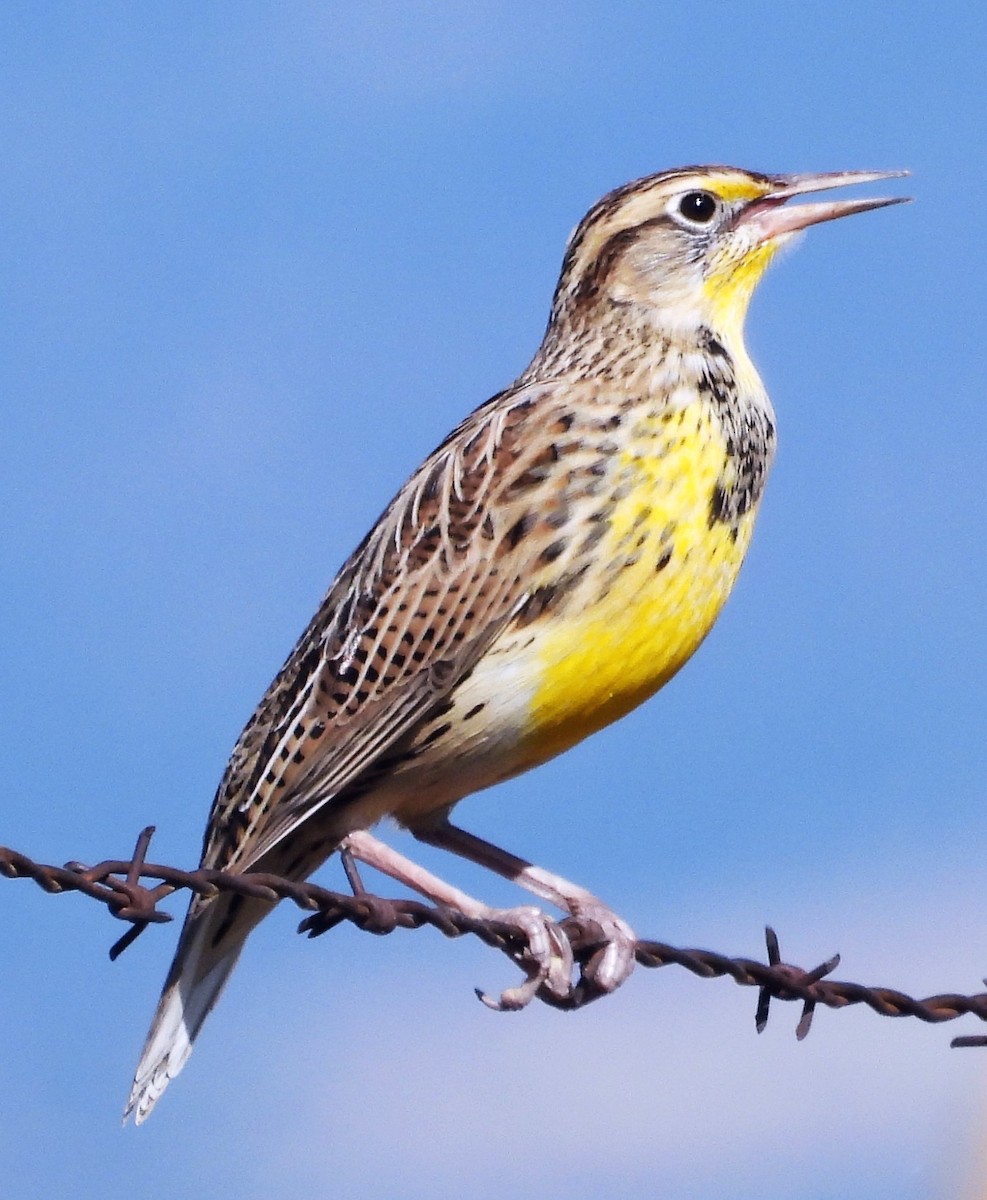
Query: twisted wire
117,883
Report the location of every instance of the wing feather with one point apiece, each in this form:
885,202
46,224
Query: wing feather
419,601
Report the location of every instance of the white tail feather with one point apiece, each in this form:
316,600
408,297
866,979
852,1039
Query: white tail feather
196,979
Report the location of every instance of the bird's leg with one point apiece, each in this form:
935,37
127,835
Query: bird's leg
611,964
548,959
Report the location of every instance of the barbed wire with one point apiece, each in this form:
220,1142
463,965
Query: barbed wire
117,884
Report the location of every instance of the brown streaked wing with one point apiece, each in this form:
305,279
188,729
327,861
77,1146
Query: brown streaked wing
438,577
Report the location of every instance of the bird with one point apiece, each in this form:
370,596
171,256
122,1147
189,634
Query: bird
546,569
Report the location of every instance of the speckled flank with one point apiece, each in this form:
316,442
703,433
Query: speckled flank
628,558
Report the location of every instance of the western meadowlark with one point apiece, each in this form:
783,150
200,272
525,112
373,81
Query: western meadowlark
551,565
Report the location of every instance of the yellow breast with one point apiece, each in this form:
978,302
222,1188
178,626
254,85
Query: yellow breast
657,583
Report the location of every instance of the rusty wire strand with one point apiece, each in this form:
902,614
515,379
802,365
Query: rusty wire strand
117,884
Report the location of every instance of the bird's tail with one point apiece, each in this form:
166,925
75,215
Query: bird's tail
207,952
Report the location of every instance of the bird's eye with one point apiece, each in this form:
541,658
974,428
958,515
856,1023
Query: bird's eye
698,207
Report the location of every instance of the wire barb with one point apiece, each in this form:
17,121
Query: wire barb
132,889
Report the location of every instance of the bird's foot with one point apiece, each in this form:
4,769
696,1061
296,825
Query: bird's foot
546,959
592,935
604,945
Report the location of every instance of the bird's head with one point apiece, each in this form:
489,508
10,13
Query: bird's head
689,245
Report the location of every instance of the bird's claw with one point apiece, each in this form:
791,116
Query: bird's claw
613,949
608,946
546,959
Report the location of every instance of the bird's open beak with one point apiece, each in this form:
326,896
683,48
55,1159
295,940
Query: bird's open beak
767,219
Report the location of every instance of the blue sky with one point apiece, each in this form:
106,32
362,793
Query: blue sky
257,260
